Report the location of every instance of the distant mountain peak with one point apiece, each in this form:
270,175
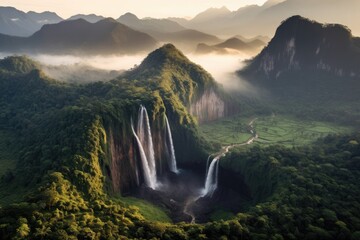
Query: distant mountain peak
88,17
129,16
211,13
79,36
271,3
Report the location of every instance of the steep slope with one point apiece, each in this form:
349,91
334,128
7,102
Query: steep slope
81,37
18,23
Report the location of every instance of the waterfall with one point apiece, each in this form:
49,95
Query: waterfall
144,133
211,181
207,165
145,143
147,174
171,150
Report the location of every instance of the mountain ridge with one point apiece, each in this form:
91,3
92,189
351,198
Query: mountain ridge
18,23
105,37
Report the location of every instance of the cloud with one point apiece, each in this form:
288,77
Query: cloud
223,68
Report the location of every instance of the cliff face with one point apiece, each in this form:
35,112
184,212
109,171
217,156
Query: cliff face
208,107
302,45
124,168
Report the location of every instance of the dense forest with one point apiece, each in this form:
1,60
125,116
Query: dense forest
57,183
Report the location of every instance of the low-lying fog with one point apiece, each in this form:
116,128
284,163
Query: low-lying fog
98,68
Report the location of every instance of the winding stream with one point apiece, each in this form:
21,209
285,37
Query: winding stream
224,150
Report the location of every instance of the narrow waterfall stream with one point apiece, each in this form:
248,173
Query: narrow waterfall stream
144,135
149,181
170,149
211,181
212,171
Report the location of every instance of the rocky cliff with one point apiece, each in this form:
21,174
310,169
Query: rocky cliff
302,45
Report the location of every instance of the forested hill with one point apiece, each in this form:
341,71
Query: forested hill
194,88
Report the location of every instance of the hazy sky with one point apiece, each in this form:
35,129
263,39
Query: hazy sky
115,8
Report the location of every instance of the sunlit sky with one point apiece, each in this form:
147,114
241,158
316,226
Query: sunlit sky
115,8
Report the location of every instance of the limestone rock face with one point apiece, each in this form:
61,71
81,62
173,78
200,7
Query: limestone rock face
209,107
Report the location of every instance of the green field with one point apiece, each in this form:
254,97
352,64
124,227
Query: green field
227,131
290,131
280,129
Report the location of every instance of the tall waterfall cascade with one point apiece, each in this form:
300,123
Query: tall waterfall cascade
145,144
149,180
146,148
170,148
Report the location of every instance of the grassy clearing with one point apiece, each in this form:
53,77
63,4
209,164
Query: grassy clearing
226,131
290,131
148,210
281,129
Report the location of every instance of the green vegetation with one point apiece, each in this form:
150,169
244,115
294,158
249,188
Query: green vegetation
280,129
232,130
220,214
148,210
303,192
290,131
61,187
56,158
8,152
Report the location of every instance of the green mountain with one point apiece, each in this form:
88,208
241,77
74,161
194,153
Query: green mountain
195,89
70,147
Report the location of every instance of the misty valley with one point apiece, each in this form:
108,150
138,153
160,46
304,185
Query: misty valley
146,128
